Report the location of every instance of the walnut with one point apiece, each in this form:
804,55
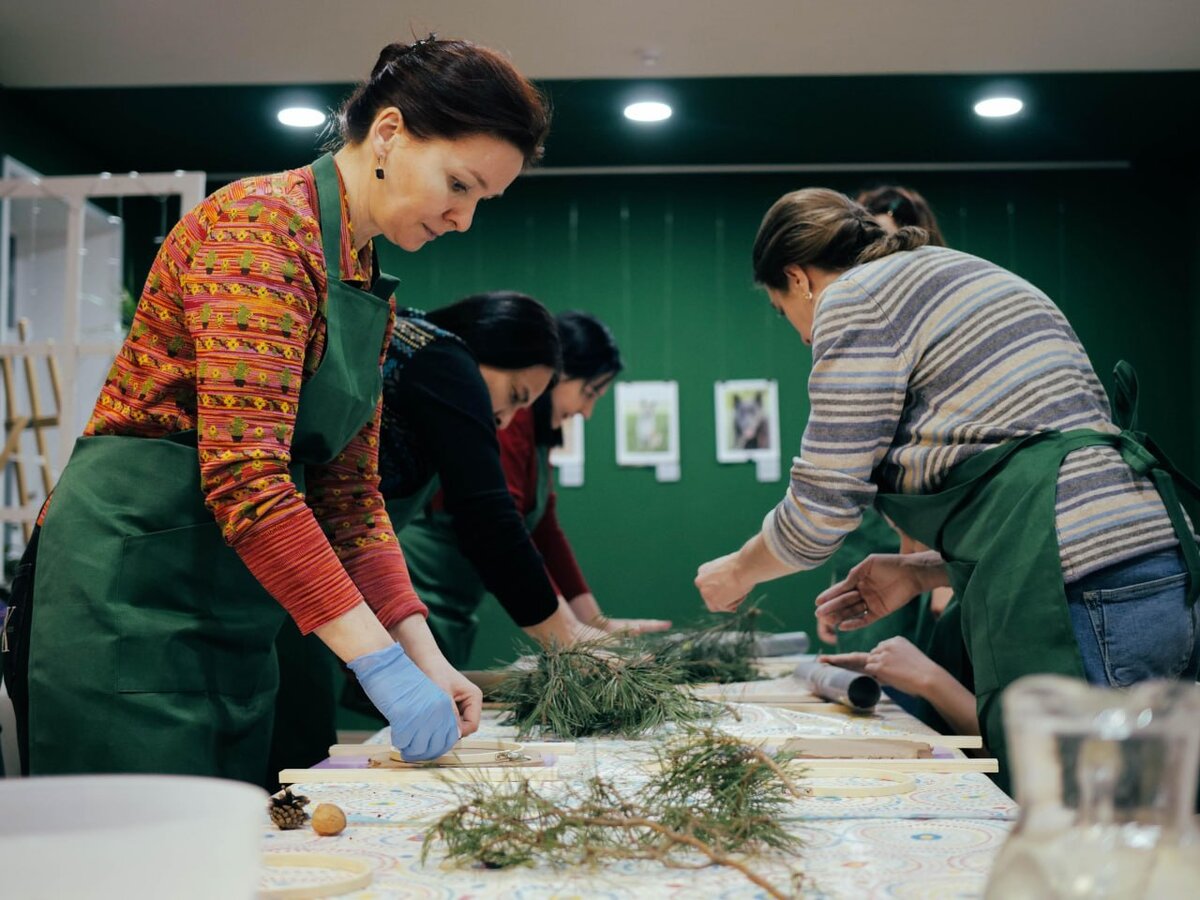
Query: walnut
328,819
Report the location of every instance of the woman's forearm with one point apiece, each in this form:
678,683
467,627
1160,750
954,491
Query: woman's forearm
562,628
354,633
953,702
754,563
586,609
413,634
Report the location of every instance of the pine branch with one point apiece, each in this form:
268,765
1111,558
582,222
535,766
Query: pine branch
587,690
712,795
722,652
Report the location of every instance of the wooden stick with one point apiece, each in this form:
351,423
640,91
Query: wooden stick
514,774
35,414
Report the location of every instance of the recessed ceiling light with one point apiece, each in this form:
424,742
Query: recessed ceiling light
648,111
998,107
301,117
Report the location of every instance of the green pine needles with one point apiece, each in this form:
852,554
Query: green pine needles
586,690
713,800
722,652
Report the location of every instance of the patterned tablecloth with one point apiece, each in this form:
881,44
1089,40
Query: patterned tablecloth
937,841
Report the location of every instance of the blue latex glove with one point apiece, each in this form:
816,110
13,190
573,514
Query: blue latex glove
422,715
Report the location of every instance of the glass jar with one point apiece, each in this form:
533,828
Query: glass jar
1106,784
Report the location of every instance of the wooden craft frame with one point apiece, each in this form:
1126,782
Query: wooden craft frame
898,782
470,752
361,873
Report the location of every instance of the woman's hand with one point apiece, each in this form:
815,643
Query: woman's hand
855,662
633,626
413,634
587,611
895,662
722,583
467,697
422,718
826,633
563,629
878,586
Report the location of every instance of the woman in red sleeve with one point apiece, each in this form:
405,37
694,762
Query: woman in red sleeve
454,582
229,474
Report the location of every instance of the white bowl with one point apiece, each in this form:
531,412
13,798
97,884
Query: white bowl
130,836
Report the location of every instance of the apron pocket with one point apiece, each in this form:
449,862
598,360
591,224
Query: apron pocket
193,618
1145,630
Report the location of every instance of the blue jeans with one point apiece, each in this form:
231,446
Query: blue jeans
1133,623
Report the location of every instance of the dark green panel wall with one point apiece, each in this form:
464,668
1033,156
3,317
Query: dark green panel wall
665,261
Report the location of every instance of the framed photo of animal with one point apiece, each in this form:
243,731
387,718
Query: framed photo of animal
747,415
647,423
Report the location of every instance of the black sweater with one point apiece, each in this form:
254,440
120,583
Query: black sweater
437,420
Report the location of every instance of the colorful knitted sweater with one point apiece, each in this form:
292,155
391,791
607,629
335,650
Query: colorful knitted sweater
229,326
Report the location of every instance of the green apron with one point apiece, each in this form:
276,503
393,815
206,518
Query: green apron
993,521
942,641
152,644
442,575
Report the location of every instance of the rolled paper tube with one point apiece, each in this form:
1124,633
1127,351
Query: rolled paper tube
840,685
784,644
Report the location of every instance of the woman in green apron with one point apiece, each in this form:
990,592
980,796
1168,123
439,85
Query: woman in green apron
956,398
454,378
450,585
892,207
228,477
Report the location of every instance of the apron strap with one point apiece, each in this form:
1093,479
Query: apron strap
329,200
1144,457
1124,400
329,203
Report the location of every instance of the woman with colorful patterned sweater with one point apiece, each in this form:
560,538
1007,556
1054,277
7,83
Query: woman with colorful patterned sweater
229,477
443,554
955,397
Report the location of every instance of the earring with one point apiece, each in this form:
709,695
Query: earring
809,296
379,169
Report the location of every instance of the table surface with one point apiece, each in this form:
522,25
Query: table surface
937,841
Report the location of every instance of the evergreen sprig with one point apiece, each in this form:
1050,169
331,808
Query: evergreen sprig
712,795
722,652
587,690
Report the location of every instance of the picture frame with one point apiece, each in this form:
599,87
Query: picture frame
747,419
647,423
570,452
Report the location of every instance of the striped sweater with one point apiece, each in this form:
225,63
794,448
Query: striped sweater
925,358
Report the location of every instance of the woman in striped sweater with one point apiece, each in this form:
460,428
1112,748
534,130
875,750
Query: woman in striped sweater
956,398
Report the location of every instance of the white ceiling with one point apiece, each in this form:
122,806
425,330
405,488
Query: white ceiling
73,43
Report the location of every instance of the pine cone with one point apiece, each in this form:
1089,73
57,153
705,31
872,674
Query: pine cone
287,809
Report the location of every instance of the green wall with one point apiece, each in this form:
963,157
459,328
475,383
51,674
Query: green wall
665,261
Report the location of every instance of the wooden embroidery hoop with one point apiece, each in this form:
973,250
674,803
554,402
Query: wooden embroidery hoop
895,783
359,875
475,752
